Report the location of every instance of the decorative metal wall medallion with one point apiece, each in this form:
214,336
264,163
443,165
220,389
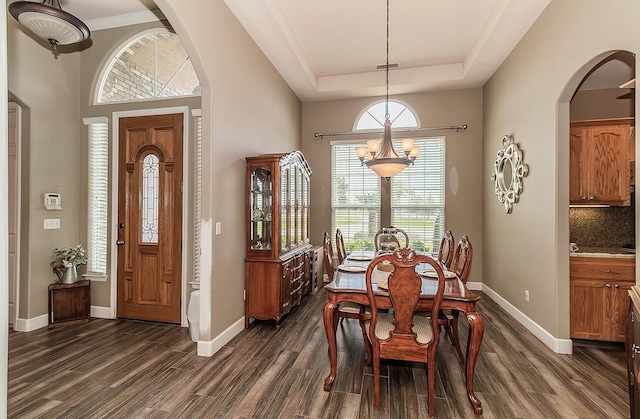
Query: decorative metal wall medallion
509,170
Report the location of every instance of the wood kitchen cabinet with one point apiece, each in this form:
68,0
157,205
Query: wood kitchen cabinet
599,162
632,348
277,273
599,289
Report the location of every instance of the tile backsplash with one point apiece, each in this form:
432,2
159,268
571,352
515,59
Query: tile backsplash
602,227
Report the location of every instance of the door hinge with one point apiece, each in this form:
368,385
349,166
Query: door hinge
182,187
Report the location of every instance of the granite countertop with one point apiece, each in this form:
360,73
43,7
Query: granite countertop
616,252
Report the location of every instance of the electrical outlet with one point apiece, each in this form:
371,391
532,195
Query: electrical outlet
526,295
218,228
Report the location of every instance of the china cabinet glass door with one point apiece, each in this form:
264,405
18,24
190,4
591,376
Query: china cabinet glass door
260,204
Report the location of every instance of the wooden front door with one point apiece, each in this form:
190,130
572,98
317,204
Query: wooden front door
150,218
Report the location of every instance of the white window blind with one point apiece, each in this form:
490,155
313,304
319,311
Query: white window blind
355,198
418,196
198,198
98,196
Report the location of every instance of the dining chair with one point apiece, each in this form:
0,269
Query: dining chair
346,309
399,334
447,248
461,266
342,252
387,238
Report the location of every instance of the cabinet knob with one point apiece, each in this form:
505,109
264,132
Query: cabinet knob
584,198
119,242
591,198
617,285
608,285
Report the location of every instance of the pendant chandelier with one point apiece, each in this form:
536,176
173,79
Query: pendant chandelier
382,158
48,21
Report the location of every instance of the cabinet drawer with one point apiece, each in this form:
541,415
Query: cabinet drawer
613,269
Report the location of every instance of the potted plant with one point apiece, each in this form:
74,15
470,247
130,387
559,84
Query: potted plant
66,262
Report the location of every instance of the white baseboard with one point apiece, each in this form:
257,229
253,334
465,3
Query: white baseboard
561,346
208,348
28,325
102,312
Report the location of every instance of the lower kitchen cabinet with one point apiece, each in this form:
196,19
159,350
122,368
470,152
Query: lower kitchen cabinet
599,304
632,347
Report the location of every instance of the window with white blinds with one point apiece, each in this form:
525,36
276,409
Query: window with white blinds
198,195
355,198
98,196
417,199
418,196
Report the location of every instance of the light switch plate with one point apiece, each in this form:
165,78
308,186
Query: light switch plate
51,223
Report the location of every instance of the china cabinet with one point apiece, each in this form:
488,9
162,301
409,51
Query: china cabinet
277,263
599,162
599,296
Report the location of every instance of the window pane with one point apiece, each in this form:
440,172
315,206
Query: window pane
150,198
355,198
153,66
399,115
417,196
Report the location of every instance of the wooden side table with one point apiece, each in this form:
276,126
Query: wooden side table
69,303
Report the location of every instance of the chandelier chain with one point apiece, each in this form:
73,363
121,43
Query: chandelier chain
386,105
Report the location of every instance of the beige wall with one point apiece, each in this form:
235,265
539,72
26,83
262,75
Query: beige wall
47,88
463,149
602,103
247,109
528,97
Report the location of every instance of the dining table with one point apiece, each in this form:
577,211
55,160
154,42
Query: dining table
349,284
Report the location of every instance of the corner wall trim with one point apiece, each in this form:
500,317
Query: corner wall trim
208,348
561,346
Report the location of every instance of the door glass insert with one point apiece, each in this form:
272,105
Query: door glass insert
150,198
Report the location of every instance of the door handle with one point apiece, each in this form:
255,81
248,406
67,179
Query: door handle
121,225
119,242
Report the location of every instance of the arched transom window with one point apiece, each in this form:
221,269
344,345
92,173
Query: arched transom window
153,65
399,115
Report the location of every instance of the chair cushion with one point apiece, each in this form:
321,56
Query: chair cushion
349,307
421,326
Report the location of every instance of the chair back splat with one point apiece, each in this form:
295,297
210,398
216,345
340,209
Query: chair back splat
342,252
388,239
327,250
398,333
447,249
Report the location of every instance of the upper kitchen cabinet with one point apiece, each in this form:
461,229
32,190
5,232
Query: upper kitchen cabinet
599,162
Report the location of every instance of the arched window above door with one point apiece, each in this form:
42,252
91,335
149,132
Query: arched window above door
151,65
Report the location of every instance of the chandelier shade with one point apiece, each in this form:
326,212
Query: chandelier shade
382,157
48,21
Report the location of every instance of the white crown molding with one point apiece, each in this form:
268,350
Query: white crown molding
125,20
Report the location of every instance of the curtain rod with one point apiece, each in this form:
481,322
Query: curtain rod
337,134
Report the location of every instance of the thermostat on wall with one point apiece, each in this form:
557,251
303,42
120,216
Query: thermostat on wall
53,201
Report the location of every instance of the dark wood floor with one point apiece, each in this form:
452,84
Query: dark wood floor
126,369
